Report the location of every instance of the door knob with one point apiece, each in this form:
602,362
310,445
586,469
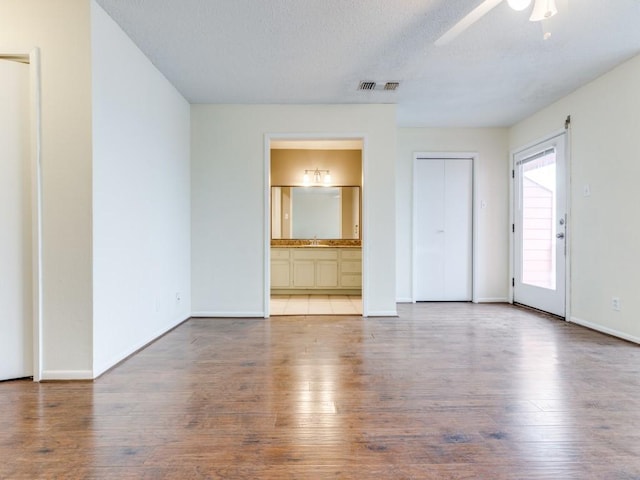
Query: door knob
560,235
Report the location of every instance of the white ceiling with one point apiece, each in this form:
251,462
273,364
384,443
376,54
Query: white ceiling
317,51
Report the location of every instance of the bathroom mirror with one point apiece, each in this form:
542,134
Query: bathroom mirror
323,213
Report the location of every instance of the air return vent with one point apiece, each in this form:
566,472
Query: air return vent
367,86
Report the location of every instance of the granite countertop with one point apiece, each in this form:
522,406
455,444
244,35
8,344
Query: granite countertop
288,243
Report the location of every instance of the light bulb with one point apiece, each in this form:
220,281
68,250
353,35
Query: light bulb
305,179
327,178
519,5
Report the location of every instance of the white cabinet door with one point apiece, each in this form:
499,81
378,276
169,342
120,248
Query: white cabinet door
443,229
280,274
327,273
303,273
316,268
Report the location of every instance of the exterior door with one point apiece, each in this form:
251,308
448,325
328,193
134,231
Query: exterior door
540,226
16,317
443,226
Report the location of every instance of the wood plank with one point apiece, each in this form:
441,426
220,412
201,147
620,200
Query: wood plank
445,391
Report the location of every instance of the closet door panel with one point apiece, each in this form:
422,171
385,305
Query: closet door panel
443,228
430,245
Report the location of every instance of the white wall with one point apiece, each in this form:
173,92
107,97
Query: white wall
604,227
492,188
228,198
61,30
141,197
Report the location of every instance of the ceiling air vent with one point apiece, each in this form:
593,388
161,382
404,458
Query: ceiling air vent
367,86
391,85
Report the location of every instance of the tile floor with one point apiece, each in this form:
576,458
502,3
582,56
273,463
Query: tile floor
316,305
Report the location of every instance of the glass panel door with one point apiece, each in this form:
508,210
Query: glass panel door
540,227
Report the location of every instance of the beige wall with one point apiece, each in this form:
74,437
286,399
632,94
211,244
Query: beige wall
345,166
492,191
604,227
351,213
288,166
61,30
229,199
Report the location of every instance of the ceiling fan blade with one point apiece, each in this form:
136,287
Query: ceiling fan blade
473,16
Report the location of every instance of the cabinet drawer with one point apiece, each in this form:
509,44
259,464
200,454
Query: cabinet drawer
315,254
350,266
351,280
280,253
351,254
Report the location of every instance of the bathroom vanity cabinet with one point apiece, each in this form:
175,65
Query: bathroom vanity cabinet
316,270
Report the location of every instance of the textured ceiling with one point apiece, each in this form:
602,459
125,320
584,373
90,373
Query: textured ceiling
317,51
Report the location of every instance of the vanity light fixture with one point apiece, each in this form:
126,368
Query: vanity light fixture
319,176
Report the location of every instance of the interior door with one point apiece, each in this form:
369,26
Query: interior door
540,226
16,318
443,193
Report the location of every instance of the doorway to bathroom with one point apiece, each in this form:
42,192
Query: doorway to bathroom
315,226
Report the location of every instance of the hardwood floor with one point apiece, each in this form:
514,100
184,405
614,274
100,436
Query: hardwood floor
446,391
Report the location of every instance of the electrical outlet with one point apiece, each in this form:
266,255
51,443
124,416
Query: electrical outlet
615,304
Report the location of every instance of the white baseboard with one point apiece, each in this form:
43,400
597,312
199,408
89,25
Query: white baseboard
66,375
383,313
115,359
404,300
603,329
479,300
228,314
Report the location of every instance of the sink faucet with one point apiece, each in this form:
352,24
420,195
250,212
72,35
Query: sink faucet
314,242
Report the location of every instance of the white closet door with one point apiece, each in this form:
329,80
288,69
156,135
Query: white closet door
16,329
443,229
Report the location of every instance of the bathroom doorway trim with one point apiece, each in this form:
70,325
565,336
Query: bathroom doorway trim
268,138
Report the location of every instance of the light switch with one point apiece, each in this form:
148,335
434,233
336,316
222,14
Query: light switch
586,190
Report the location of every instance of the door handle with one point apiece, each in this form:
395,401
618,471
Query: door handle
560,235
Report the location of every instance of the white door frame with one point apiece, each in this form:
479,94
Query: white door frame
364,212
33,59
474,157
568,224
